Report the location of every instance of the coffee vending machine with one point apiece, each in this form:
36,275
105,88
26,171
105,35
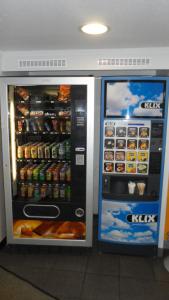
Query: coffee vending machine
132,153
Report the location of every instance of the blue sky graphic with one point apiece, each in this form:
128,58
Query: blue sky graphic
135,231
142,91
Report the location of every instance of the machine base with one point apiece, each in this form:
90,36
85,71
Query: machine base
142,250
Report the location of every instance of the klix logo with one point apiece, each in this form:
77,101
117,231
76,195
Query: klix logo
151,105
142,218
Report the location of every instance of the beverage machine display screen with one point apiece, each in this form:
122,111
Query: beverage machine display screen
129,98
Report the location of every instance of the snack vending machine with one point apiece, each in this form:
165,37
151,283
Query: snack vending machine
132,150
47,132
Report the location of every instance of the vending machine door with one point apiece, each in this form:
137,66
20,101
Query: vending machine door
48,149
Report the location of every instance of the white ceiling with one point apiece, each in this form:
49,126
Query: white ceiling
54,24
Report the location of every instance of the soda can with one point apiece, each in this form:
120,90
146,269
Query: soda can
56,191
30,190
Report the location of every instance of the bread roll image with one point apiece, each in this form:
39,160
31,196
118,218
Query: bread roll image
75,230
24,228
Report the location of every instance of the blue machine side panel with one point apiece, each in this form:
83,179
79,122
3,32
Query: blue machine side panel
127,222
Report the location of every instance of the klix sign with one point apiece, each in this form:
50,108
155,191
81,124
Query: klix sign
142,218
152,105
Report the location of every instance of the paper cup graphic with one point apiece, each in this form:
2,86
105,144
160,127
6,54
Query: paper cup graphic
131,187
141,188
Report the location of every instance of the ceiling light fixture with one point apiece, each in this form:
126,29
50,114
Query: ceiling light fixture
94,28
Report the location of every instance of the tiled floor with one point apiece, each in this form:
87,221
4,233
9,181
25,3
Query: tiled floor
79,274
82,275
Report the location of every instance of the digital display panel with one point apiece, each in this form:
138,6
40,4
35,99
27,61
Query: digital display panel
134,98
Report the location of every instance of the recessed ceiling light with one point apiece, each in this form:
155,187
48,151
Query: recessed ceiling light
94,28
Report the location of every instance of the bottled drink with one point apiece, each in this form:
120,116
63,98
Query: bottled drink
27,125
55,124
56,191
23,190
68,174
28,151
61,151
30,171
62,191
20,152
43,191
68,149
62,174
20,125
30,190
34,151
68,126
68,192
49,191
36,192
55,151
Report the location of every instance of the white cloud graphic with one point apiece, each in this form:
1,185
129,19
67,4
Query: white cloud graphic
119,97
153,226
109,220
116,235
116,207
143,234
146,239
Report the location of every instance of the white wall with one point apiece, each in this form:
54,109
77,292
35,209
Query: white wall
88,59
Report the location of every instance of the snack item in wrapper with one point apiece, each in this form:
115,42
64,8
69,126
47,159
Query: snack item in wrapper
121,131
64,93
109,143
120,155
120,144
120,167
142,168
131,168
144,132
142,156
109,131
132,131
131,156
108,167
132,144
143,144
108,155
